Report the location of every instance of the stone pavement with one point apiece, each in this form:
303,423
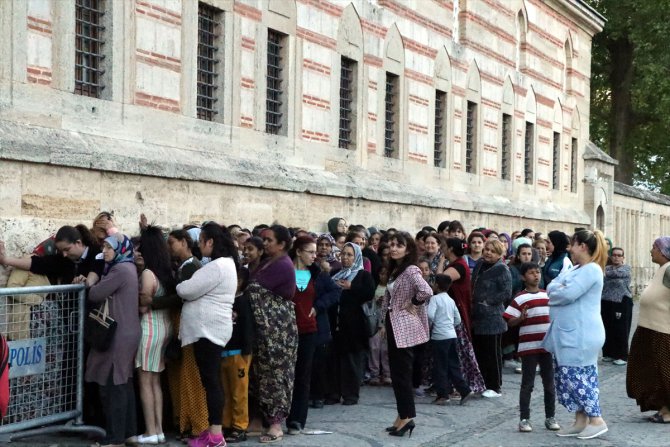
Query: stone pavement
482,422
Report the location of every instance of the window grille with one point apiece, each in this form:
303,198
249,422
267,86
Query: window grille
470,137
347,70
89,40
440,140
573,163
274,116
528,154
556,167
505,165
209,22
391,116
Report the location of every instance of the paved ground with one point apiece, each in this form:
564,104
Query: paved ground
482,422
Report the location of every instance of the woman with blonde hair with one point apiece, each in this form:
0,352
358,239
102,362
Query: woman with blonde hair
576,333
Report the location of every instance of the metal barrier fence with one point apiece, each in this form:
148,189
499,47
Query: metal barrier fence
44,330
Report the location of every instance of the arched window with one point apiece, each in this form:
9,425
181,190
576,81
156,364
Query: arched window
507,130
442,80
471,114
530,137
350,49
393,93
600,218
557,127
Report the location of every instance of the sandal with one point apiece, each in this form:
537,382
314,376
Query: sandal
658,419
269,438
236,436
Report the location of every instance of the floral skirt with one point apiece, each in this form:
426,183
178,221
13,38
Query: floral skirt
469,366
577,388
275,352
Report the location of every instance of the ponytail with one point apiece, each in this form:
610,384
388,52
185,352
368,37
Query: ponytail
596,244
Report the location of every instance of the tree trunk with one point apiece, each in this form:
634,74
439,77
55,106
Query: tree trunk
621,52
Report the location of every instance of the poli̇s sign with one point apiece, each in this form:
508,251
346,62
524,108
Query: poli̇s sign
27,357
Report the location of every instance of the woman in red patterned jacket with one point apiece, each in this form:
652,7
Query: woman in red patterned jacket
406,325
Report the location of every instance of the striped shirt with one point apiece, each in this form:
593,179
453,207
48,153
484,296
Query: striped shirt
534,327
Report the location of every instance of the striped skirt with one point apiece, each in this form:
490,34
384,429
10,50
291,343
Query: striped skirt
156,332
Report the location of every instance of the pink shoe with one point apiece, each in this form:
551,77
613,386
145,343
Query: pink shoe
206,439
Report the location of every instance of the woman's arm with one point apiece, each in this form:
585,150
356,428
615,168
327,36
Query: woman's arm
567,289
107,286
202,281
422,290
452,273
328,293
148,287
621,272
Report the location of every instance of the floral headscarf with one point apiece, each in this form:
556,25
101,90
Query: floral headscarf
350,273
123,248
331,256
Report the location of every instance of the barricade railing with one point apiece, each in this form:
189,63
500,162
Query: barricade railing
44,328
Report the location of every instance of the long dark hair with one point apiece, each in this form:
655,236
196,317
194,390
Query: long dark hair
396,267
282,234
223,246
299,244
71,234
182,235
560,241
457,245
156,256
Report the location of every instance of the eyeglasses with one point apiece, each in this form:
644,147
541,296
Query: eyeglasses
617,255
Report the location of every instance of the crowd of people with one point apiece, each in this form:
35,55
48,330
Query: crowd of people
251,328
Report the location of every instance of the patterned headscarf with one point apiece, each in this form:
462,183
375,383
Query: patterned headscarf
663,244
123,248
510,248
331,256
350,273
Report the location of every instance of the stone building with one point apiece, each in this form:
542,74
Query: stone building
387,112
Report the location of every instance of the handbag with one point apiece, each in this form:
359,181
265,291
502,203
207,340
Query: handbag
100,328
371,312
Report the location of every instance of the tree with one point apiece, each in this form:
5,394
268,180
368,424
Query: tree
630,89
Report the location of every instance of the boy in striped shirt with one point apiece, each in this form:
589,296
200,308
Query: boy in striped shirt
530,310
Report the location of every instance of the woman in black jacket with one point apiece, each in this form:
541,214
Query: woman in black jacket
350,333
491,288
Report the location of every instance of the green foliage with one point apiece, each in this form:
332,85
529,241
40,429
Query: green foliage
646,25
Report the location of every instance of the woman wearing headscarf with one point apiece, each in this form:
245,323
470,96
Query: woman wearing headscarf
558,261
337,225
112,370
349,327
648,375
325,254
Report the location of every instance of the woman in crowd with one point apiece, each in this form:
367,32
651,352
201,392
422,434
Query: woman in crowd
475,248
507,246
576,333
541,247
206,320
75,261
156,280
616,308
337,225
375,237
558,261
315,293
432,254
350,334
384,253
524,253
456,229
648,375
188,395
272,287
252,253
491,288
461,292
325,256
405,324
112,369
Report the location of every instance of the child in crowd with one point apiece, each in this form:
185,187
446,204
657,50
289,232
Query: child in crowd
426,273
235,362
378,363
443,317
530,310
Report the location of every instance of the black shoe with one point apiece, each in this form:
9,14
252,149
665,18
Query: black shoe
350,402
390,429
408,427
331,401
236,436
316,403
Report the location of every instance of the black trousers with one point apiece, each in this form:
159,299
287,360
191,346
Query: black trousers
320,372
303,376
528,366
489,358
345,374
447,368
400,364
118,402
208,358
617,319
